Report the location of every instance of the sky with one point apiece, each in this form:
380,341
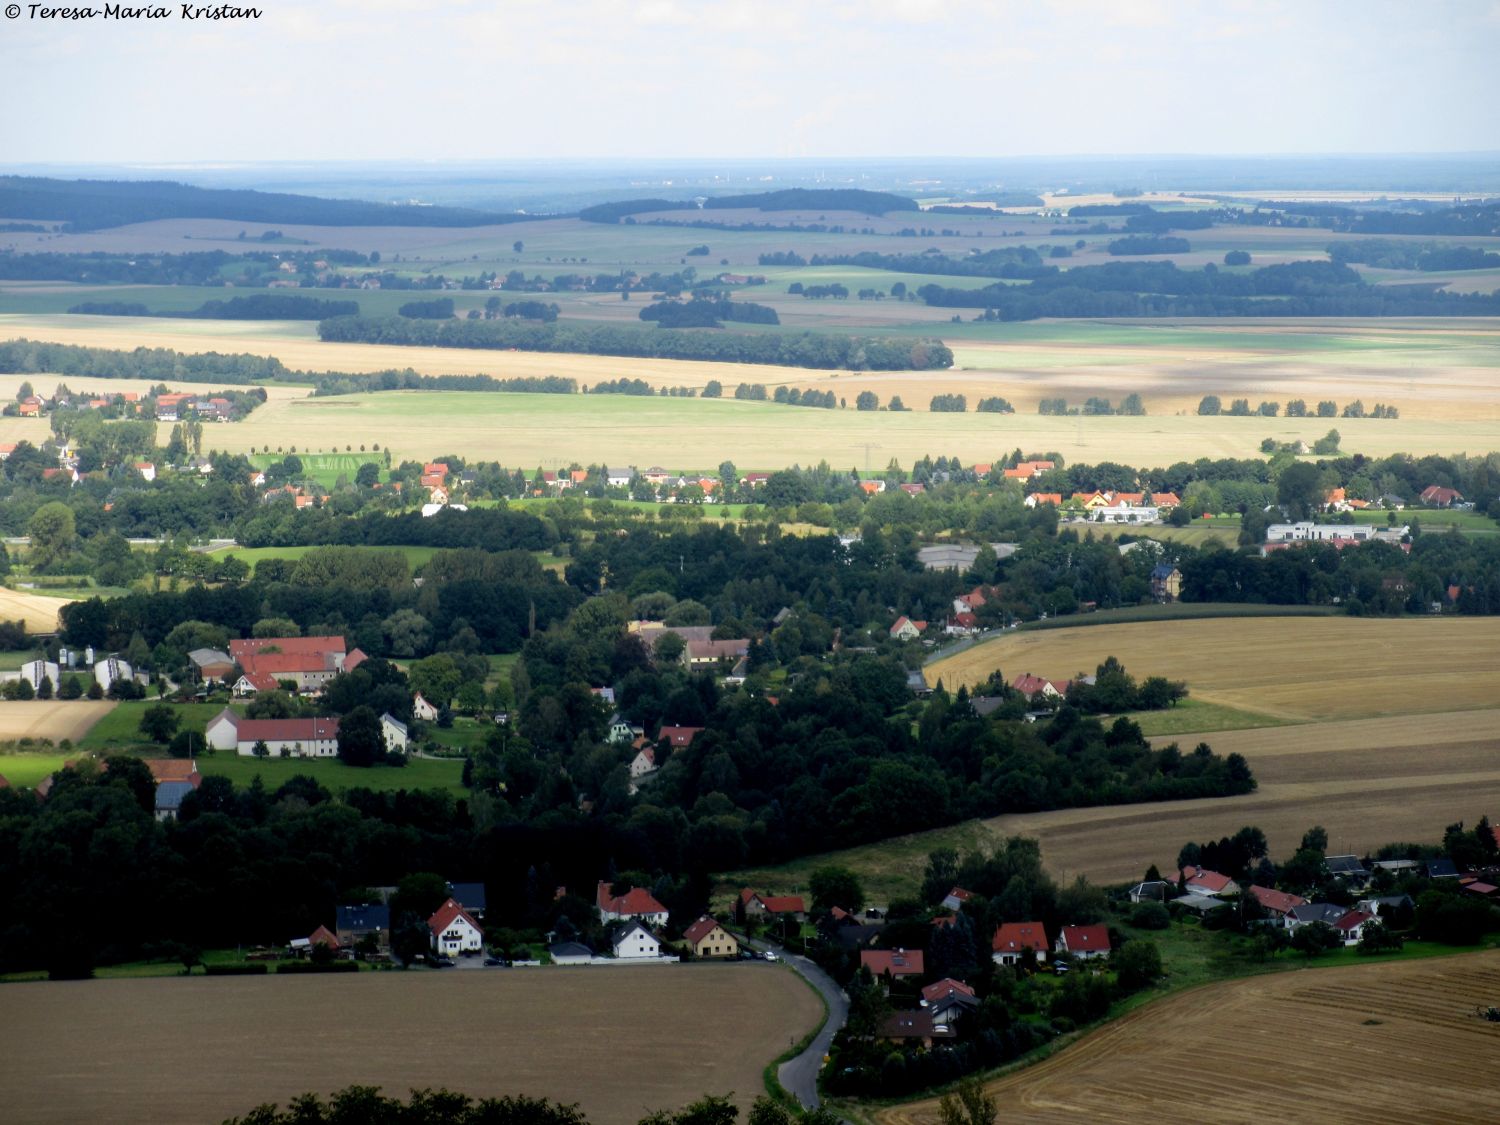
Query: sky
330,80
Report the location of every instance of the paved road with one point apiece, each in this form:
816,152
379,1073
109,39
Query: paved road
799,1075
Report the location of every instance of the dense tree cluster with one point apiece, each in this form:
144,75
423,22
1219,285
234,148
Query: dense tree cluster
806,349
708,313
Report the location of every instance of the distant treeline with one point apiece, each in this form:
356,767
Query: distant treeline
816,350
96,204
158,365
1413,256
259,306
1148,244
1012,262
1130,289
708,313
409,380
199,267
791,199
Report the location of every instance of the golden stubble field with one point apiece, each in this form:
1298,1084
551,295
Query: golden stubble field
52,718
620,1041
38,611
1297,668
1395,1042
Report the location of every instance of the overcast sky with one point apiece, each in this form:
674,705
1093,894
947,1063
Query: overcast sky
399,79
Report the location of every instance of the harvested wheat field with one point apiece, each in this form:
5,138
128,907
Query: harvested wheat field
615,1040
1303,669
1394,1042
1368,782
38,612
51,718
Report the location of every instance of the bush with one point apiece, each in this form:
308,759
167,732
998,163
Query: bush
257,969
1150,916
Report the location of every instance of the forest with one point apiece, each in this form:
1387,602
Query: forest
804,349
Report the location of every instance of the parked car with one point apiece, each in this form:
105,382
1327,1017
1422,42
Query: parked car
771,955
495,963
443,962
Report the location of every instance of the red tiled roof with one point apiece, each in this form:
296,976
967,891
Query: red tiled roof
783,904
239,649
1086,939
1352,920
1209,880
636,901
1013,937
945,988
1278,902
323,936
896,962
447,914
274,663
174,769
700,929
679,737
287,730
355,658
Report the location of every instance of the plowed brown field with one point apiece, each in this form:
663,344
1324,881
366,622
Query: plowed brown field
1396,1042
620,1041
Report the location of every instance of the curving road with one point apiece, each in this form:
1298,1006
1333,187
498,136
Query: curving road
799,1074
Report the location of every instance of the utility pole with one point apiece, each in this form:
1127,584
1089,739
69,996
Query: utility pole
867,447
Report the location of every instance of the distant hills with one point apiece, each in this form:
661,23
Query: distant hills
97,204
790,199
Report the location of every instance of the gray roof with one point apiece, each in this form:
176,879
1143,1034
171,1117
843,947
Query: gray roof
1345,865
363,919
393,721
985,704
1318,912
469,895
1201,903
569,949
169,794
203,656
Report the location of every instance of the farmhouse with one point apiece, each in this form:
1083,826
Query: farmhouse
454,930
637,904
707,654
708,939
1013,939
635,943
1436,496
285,738
1197,881
1084,942
211,663
356,922
1033,687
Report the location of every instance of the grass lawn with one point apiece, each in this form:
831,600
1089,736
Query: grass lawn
462,735
418,773
415,556
122,726
1436,519
26,770
12,661
326,468
1177,611
1195,715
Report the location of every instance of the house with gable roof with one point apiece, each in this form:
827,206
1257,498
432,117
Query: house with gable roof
1013,939
454,930
948,1000
1084,943
893,964
905,629
637,904
708,940
635,943
1199,881
1278,904
956,898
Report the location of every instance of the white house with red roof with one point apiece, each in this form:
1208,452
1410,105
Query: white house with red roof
893,963
1033,686
422,710
753,904
1351,927
454,930
1013,939
637,904
1436,496
905,629
679,738
286,738
1199,881
1084,942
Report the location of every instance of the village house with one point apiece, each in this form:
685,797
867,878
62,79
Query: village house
1277,904
454,930
393,730
1034,687
893,964
643,763
905,629
918,1026
1166,583
354,923
1084,943
707,939
211,663
423,711
698,655
282,738
635,943
752,904
1436,496
1036,498
1013,939
956,898
637,904
1198,881
948,1000
678,738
